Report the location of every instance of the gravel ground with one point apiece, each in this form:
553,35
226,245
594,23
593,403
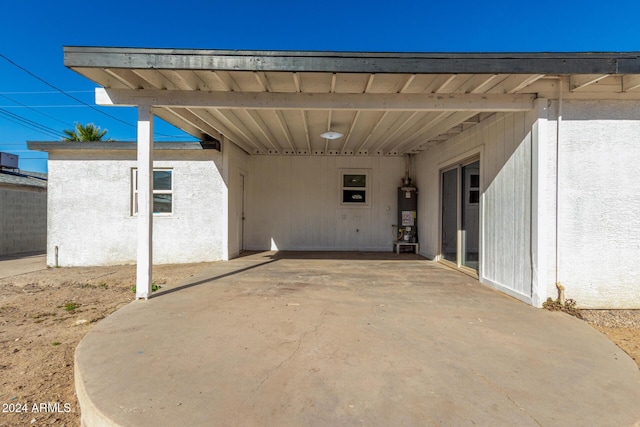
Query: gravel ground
613,318
620,326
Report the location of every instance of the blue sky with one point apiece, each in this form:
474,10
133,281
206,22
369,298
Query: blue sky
33,33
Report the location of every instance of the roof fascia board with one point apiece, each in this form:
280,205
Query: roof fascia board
353,62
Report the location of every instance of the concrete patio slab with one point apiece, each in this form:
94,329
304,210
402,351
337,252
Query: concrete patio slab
344,339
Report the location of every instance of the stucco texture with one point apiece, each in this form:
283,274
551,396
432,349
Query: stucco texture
90,215
599,225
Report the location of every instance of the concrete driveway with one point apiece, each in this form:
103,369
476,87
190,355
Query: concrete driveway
13,265
346,339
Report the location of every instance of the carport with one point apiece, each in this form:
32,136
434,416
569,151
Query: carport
298,116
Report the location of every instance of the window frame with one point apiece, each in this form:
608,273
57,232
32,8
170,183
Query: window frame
367,187
134,191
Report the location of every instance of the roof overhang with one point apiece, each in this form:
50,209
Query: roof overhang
274,102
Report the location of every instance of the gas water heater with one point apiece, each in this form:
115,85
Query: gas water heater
407,213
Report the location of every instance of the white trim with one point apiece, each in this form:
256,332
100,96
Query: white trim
134,192
457,163
367,188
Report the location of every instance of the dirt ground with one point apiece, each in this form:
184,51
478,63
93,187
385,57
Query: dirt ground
45,314
43,317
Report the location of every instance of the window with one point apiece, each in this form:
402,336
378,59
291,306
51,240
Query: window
162,192
474,189
354,188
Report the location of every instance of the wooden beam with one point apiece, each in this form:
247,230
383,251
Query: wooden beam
525,82
630,82
577,82
195,121
228,133
411,132
127,78
305,124
442,127
317,101
263,128
285,129
483,86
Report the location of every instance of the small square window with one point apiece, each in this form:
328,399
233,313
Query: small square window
354,188
162,192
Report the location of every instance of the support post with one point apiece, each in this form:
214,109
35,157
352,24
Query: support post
145,202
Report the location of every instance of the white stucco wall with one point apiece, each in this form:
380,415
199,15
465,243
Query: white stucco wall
599,207
90,217
503,144
293,202
23,219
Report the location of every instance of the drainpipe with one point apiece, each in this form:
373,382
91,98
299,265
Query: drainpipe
559,286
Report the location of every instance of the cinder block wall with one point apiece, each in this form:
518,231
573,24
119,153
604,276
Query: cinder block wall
23,220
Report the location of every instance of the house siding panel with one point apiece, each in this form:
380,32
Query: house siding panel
294,203
503,142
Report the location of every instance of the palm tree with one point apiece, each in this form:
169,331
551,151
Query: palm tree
85,133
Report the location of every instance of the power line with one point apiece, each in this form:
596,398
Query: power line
67,93
29,123
45,92
42,106
33,109
63,92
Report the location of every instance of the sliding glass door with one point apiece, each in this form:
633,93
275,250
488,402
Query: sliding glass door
460,215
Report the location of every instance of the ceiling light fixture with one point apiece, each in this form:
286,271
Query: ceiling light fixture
332,135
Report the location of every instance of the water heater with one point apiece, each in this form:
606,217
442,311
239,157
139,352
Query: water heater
407,214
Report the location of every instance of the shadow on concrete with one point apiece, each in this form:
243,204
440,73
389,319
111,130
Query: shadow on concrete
209,279
345,255
271,256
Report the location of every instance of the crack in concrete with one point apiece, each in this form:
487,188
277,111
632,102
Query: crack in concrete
504,393
315,331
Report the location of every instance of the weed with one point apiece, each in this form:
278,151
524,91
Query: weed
569,307
154,287
56,343
103,285
71,306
